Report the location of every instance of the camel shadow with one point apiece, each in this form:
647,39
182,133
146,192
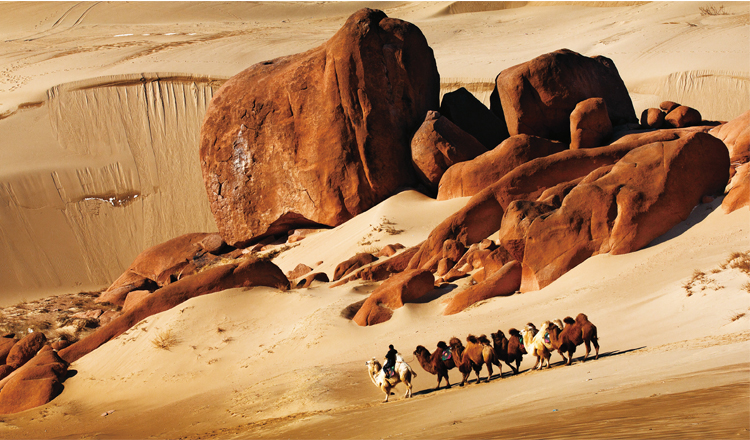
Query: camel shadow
579,359
436,293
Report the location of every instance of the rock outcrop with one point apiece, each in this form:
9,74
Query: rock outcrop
25,349
623,208
321,136
736,136
590,125
398,290
739,194
468,178
438,145
36,383
503,282
538,96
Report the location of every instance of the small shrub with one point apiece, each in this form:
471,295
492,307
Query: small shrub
164,340
712,10
738,316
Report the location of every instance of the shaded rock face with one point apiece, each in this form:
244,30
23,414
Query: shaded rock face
622,209
468,178
321,136
739,195
590,125
438,145
36,383
399,289
473,117
346,267
736,136
652,118
537,97
683,116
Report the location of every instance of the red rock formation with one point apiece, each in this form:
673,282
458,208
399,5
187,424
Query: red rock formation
390,250
438,145
298,271
739,196
736,136
5,345
683,116
307,281
383,270
321,136
134,298
645,194
473,117
405,287
248,273
538,96
469,178
503,282
668,106
5,371
652,118
36,383
590,125
25,349
346,267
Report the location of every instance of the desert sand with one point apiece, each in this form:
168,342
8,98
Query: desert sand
101,105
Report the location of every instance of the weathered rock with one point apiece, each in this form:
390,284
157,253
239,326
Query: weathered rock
390,250
503,282
5,371
383,270
652,118
398,290
473,117
5,345
590,125
248,273
60,344
516,221
538,96
739,194
487,244
126,283
646,193
307,281
300,234
444,266
469,178
25,349
736,136
108,316
346,267
298,271
438,145
212,243
668,106
134,298
683,116
35,384
453,250
483,213
321,136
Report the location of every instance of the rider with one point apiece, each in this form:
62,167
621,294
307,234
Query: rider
390,361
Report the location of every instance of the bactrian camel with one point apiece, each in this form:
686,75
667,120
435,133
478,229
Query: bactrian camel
404,374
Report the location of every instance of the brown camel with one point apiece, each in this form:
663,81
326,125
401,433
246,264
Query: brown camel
509,350
435,363
477,352
576,332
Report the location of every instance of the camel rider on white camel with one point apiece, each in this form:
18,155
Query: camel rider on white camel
390,361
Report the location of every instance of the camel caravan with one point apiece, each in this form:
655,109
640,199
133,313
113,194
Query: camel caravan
563,336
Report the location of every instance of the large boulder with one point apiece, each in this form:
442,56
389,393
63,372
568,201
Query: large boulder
468,178
5,345
348,266
321,136
248,273
683,116
537,97
473,117
503,282
438,145
398,290
624,208
25,349
35,384
739,193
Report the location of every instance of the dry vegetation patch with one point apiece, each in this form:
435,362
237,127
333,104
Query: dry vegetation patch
701,280
164,340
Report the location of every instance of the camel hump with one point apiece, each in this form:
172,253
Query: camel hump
569,320
483,339
514,332
472,339
582,318
442,345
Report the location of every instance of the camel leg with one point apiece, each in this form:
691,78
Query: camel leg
588,350
489,371
387,392
407,394
596,346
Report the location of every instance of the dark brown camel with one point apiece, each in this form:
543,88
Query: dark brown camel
434,363
509,350
576,332
473,356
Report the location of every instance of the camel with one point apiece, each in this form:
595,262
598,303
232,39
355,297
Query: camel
538,344
404,375
576,332
435,363
509,350
477,352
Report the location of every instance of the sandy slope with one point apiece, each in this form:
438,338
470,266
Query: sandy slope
265,363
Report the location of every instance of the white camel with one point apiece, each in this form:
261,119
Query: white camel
404,374
537,343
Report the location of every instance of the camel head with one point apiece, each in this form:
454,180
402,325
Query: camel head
421,350
373,366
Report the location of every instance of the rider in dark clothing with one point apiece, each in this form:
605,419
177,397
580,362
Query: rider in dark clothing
390,360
